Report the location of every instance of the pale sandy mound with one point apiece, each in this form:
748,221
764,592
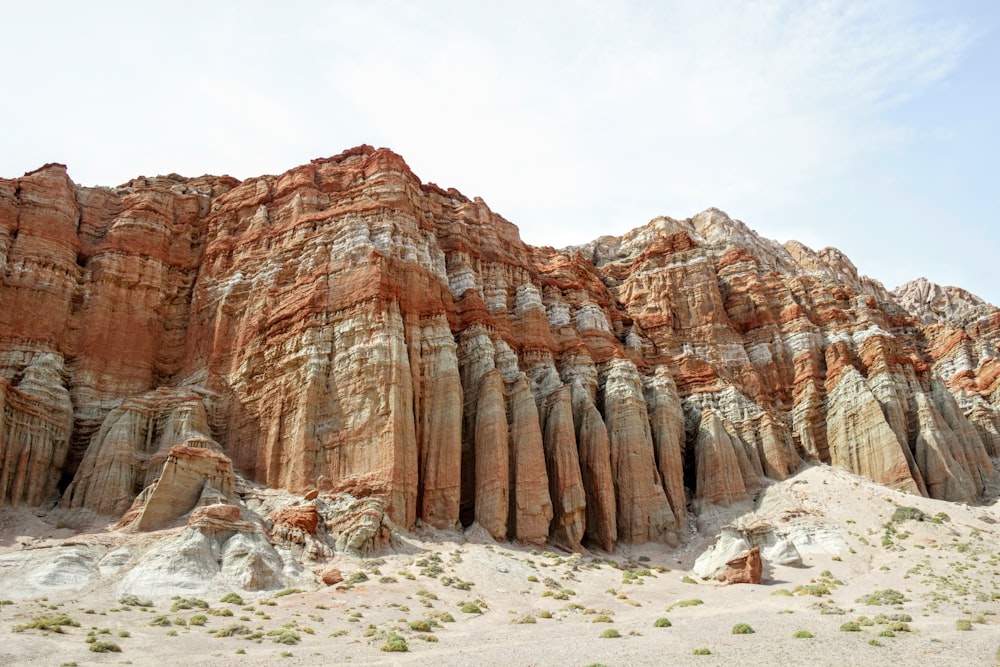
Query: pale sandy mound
937,565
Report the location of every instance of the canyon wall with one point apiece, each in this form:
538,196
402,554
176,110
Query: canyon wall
347,328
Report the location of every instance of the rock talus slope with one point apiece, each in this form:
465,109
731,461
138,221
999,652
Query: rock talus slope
347,328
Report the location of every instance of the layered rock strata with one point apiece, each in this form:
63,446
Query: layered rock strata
347,328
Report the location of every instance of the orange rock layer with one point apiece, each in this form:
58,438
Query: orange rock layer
347,328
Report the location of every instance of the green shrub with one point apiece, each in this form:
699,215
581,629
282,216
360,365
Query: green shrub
886,633
610,633
662,623
802,634
603,618
188,603
357,578
420,626
888,596
198,619
470,608
742,629
395,644
231,630
702,651
963,624
850,626
231,598
291,591
686,603
105,647
284,636
49,623
134,601
907,514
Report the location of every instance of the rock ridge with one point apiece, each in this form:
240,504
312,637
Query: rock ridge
347,329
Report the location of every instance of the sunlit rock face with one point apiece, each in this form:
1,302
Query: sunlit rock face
346,328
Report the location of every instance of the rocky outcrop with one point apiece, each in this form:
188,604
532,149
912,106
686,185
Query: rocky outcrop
395,348
218,551
129,451
744,569
931,302
36,419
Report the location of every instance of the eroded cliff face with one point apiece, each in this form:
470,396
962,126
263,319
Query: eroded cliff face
346,328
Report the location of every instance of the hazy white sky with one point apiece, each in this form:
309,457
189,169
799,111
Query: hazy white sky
870,126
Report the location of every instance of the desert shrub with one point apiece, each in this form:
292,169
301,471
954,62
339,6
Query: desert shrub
284,636
603,618
160,620
420,626
525,619
850,626
290,591
545,614
686,603
220,612
802,634
105,647
134,601
662,623
232,630
742,629
610,633
963,624
907,514
198,619
702,651
899,626
395,644
874,642
49,623
470,608
188,603
231,598
887,633
888,596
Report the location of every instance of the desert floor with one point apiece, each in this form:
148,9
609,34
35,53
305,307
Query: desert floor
500,604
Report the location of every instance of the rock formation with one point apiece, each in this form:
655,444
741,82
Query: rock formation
744,569
396,348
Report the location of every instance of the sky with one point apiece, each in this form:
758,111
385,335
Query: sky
868,126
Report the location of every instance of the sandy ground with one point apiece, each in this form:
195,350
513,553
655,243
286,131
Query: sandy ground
541,607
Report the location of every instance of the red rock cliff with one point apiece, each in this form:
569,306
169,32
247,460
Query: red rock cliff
347,327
